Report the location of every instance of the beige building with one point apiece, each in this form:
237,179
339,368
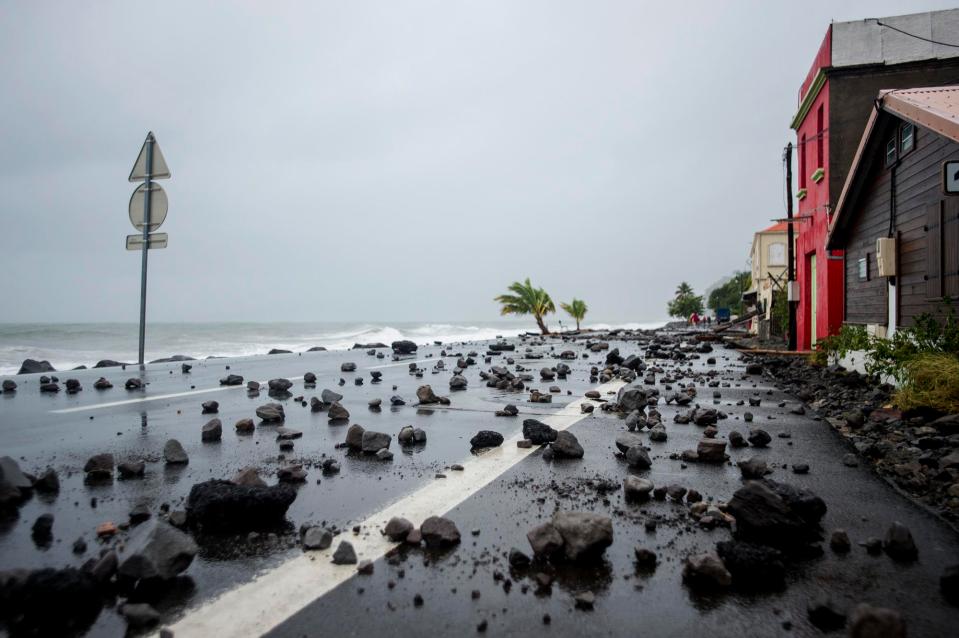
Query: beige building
768,258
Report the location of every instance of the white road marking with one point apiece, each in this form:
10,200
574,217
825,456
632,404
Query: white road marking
158,397
256,607
401,363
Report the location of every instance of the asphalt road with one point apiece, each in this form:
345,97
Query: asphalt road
62,431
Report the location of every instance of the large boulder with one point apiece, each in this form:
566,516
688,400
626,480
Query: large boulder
545,540
99,466
109,363
337,412
156,550
637,457
11,475
32,366
212,431
372,442
232,379
439,532
636,488
486,438
329,397
279,385
776,514
397,529
627,440
403,347
753,566
426,396
567,446
271,413
354,437
706,571
584,534
711,451
222,505
49,602
174,454
538,432
631,398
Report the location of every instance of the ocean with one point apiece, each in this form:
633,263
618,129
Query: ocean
68,345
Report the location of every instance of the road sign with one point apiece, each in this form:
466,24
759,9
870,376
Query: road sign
950,177
156,240
148,208
158,206
158,169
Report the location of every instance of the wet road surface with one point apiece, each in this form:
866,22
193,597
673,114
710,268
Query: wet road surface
57,430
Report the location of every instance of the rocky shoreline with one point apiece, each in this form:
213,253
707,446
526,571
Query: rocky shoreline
916,452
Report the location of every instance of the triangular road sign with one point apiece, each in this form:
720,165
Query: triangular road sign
160,170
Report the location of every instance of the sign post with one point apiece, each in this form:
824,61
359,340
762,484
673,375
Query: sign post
147,213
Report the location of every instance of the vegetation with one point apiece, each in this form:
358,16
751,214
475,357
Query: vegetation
527,300
730,294
685,303
923,358
576,309
930,381
779,317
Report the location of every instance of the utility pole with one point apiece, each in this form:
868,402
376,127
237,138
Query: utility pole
790,250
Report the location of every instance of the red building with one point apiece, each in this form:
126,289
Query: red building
854,62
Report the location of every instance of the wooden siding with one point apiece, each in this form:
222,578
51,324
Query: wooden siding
926,225
852,92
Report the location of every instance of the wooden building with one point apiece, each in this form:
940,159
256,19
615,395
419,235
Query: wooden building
855,60
896,192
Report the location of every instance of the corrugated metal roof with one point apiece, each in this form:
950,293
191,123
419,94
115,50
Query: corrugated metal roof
935,108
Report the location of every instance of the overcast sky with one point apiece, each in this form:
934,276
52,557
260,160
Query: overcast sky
394,160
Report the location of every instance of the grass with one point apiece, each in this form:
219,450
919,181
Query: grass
930,381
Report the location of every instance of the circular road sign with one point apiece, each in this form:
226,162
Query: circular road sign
158,206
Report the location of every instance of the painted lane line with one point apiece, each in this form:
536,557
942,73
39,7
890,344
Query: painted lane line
401,363
256,607
159,397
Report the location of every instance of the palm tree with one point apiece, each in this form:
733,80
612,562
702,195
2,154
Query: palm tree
527,300
684,290
576,309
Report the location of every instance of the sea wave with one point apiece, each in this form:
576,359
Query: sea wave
67,346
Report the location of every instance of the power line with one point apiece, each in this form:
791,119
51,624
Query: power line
918,37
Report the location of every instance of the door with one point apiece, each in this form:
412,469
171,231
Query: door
813,300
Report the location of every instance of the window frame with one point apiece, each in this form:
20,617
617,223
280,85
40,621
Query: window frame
802,161
893,143
902,129
820,147
780,246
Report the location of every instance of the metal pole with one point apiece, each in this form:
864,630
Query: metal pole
790,259
146,246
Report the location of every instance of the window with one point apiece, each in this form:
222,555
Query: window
819,138
777,254
864,268
891,152
907,137
802,161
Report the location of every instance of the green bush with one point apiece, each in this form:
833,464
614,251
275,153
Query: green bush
931,334
849,338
